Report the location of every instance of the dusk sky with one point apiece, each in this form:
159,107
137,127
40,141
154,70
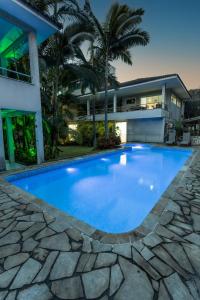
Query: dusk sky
174,27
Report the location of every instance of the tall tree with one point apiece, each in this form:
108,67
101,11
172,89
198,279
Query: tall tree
114,38
61,56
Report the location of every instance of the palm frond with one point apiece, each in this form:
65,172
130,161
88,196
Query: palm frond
94,20
134,38
125,56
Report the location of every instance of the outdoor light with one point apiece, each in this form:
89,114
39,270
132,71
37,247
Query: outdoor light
104,159
137,147
151,187
71,170
123,159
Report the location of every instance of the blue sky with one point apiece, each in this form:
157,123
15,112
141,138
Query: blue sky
174,27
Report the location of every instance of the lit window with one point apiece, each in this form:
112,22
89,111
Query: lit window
143,102
151,102
173,99
178,103
176,100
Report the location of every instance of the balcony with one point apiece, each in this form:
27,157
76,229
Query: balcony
125,113
8,73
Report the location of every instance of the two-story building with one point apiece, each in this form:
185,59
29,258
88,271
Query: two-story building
143,109
22,29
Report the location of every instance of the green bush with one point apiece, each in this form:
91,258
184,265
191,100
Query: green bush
84,135
26,156
179,128
112,142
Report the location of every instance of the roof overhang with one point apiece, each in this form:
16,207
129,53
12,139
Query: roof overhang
172,82
27,17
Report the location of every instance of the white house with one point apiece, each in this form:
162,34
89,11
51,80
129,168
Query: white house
22,29
142,108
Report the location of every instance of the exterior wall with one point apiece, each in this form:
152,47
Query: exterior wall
175,113
146,130
19,95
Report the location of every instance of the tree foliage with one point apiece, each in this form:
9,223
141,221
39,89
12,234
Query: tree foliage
63,62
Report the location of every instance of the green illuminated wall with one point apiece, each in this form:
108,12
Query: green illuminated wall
13,47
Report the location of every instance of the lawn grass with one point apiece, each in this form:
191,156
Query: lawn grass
74,151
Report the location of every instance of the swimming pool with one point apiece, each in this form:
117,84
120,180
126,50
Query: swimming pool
112,192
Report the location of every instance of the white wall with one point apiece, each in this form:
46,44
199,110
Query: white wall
19,95
146,130
122,127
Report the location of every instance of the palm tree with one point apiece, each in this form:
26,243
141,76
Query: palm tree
61,55
95,83
114,38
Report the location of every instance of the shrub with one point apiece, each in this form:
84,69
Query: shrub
112,142
26,156
84,135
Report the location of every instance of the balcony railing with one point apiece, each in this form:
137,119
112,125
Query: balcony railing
14,75
124,108
149,106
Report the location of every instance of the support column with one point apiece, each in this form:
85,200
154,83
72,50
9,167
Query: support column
163,131
33,55
115,103
88,107
35,79
2,151
163,96
39,137
10,140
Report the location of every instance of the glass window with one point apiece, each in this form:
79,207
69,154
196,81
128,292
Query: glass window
176,100
14,58
143,101
130,101
178,103
151,102
173,99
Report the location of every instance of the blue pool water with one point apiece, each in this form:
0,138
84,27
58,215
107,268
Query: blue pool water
112,192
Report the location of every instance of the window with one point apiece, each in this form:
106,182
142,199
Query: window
151,102
173,99
14,58
176,100
143,102
130,101
178,103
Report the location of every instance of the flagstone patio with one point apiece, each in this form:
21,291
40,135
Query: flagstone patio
42,258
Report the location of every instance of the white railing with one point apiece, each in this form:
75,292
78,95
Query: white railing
122,109
19,76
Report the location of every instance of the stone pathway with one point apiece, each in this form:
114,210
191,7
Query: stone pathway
41,260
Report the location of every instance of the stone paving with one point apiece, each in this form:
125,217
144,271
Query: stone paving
40,259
